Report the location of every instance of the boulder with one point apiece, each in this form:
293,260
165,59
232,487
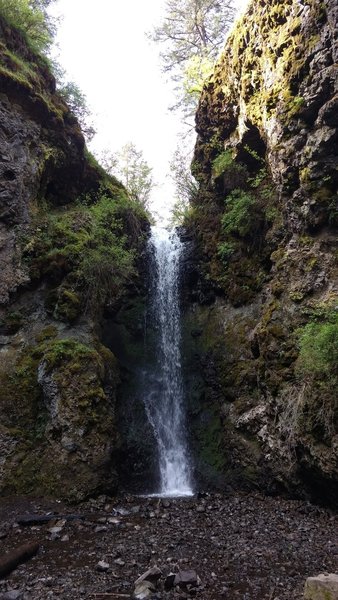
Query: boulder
322,587
185,578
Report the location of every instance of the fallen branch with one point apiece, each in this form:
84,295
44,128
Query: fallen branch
105,596
28,520
16,557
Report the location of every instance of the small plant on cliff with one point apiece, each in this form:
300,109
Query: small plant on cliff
239,216
310,405
221,163
225,250
234,174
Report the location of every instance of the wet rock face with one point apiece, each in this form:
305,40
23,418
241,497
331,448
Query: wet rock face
18,181
265,245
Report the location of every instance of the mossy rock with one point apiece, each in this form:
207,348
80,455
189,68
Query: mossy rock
61,398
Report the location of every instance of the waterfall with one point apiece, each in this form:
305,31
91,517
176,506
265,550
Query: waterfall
164,396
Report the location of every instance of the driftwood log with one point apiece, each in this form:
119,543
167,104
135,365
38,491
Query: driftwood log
16,557
28,520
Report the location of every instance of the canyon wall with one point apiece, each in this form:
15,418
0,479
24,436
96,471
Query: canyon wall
260,293
71,243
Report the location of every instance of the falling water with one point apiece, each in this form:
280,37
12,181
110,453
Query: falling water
164,399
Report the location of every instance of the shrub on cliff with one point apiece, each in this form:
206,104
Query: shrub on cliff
89,251
240,214
318,342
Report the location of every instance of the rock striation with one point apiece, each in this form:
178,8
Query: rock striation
69,238
261,292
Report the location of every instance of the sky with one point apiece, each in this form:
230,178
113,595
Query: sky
103,47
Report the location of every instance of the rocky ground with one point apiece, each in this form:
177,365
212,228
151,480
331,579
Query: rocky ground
241,546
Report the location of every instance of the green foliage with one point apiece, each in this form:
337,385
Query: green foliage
197,71
254,154
186,186
234,175
258,179
77,102
222,163
191,35
273,214
318,346
182,214
38,28
239,216
261,174
31,19
225,250
295,104
18,68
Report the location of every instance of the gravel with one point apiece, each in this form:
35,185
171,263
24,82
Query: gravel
242,546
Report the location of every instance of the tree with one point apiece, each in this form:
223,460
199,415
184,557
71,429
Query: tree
77,103
132,169
192,35
185,184
32,19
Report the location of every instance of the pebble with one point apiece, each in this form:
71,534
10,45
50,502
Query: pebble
102,566
100,528
12,595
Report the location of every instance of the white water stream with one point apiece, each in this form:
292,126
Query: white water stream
165,401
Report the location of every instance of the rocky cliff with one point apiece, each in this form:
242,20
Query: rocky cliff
261,284
70,240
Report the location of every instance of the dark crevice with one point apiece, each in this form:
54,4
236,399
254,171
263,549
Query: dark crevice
9,175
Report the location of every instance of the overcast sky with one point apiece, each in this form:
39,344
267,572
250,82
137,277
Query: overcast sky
104,49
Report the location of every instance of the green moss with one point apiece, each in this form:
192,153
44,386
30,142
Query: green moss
47,333
318,343
210,437
68,306
296,296
12,322
30,75
20,394
59,352
234,174
78,374
91,249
